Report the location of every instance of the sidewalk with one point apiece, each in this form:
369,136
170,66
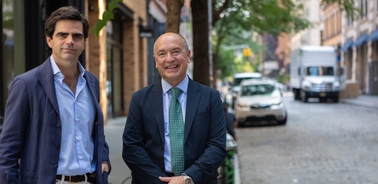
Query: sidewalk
362,100
120,173
113,132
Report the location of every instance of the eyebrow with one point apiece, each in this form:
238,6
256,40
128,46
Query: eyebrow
65,33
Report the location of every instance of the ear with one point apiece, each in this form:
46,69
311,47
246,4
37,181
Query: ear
48,41
188,55
156,65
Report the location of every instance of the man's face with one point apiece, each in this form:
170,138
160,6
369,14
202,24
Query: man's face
172,58
67,42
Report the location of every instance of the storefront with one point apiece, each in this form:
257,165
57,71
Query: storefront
23,41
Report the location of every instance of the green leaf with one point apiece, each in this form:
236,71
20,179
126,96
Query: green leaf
106,16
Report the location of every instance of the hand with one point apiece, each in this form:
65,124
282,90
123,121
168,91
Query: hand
172,180
105,167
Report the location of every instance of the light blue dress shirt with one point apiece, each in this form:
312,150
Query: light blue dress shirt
77,115
166,104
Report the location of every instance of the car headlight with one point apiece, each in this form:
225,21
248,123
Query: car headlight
243,105
277,105
306,85
336,85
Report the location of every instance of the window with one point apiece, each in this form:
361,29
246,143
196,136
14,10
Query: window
320,71
261,89
364,8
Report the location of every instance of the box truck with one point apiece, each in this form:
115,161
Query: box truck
315,73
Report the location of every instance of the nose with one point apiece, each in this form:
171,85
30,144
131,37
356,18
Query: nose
69,39
169,57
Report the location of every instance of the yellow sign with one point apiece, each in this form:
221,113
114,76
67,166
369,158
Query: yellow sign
247,52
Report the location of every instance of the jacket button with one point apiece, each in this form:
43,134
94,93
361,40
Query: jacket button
55,165
58,127
162,147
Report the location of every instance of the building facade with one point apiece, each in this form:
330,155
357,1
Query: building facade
359,51
332,36
312,35
120,56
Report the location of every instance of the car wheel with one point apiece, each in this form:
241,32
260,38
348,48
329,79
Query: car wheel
283,122
336,100
296,94
240,124
304,98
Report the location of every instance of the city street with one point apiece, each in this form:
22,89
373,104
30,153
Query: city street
321,143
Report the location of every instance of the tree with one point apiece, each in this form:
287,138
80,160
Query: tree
239,18
201,61
173,15
261,16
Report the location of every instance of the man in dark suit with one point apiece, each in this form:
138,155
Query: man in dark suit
148,136
53,129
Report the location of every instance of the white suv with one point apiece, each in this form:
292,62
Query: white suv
238,78
259,100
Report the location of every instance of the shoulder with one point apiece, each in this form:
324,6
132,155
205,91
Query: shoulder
203,88
152,88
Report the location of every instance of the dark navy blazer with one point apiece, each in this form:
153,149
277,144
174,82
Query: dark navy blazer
204,135
31,137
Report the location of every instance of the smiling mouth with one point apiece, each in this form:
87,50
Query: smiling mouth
172,67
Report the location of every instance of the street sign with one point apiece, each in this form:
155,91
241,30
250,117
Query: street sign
145,32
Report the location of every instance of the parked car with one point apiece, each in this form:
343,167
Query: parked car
260,100
238,78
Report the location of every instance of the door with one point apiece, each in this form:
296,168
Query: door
373,78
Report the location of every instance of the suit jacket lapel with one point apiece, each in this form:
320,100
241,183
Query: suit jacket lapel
94,93
156,99
192,101
46,78
91,85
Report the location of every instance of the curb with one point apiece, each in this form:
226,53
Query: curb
360,103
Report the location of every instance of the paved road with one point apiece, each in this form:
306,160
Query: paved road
321,143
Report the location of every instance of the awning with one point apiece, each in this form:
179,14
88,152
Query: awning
346,46
373,36
361,40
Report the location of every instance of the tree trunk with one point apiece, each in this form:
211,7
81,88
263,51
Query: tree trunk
201,64
173,15
215,71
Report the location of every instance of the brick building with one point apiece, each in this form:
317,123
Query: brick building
121,56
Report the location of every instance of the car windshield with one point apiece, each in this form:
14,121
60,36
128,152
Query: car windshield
320,71
260,89
237,81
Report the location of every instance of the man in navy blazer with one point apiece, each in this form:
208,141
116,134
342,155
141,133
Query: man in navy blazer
37,144
146,137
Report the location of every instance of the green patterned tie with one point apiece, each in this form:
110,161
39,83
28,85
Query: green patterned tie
176,133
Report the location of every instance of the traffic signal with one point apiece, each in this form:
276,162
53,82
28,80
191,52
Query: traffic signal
247,52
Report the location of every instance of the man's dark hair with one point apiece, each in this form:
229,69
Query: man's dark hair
65,13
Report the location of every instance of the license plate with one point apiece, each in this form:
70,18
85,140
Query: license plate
322,94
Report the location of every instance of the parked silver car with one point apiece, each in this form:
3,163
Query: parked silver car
260,100
238,78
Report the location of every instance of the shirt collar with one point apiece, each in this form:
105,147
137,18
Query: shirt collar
56,69
183,85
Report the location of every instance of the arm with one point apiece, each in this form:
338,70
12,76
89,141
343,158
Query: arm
135,136
205,167
11,140
106,167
